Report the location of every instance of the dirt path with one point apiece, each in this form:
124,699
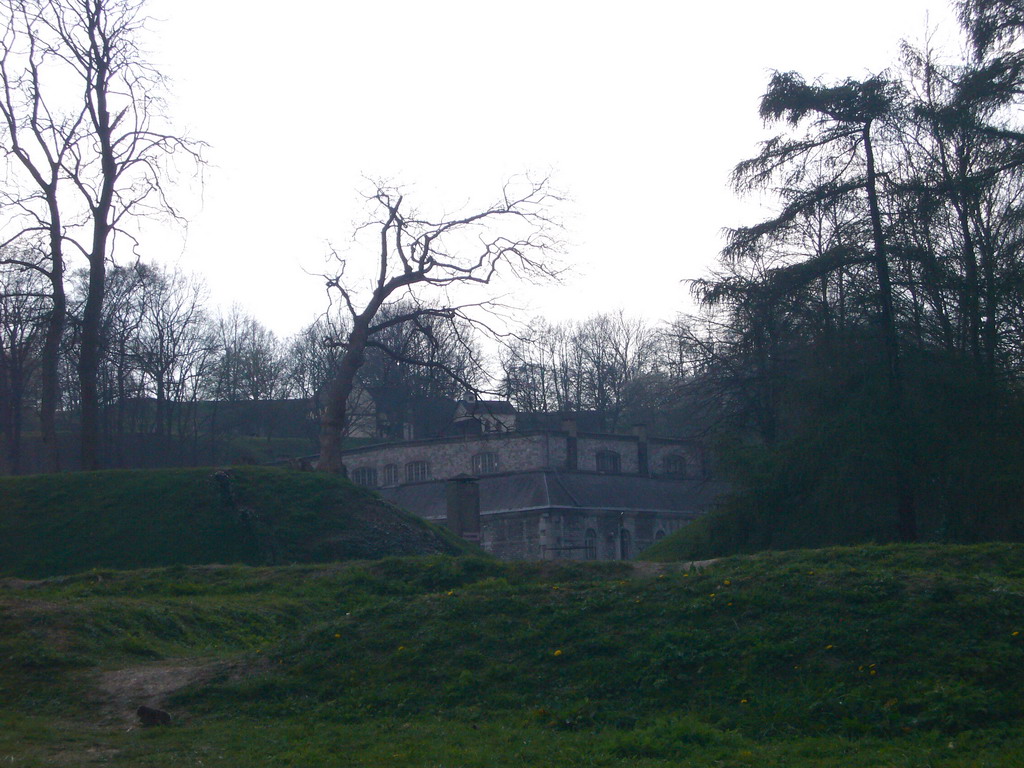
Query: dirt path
122,691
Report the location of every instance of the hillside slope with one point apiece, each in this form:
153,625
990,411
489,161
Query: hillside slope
59,524
868,656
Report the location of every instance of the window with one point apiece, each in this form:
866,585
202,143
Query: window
485,464
608,461
365,476
416,471
659,536
590,540
391,475
674,465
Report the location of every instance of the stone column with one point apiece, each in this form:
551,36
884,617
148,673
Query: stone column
462,494
572,458
642,449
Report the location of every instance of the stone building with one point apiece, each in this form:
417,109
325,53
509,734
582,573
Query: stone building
544,494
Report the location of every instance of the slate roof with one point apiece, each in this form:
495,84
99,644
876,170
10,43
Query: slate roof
586,421
489,407
520,491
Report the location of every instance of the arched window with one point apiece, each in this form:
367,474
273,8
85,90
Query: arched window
608,461
674,465
485,463
365,476
416,471
590,540
391,475
659,536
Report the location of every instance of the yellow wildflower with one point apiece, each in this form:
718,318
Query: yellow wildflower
558,652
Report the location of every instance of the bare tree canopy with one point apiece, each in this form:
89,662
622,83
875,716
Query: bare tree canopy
83,123
418,259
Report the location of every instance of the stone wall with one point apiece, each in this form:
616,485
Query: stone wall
519,452
659,449
450,457
563,534
625,446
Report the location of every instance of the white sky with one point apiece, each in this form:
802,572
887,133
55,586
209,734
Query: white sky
639,113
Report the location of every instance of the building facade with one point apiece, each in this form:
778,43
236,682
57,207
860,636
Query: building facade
546,494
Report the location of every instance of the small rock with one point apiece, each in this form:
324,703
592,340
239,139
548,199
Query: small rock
149,716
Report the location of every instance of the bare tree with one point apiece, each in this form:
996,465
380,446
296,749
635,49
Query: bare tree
417,256
605,363
23,311
251,363
173,346
83,118
38,137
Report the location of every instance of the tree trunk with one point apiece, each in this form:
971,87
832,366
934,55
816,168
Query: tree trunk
49,375
88,364
990,330
332,428
901,440
9,405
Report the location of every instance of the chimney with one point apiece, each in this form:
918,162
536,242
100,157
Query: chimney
572,456
462,494
642,449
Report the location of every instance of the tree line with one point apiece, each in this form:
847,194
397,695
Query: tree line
171,367
856,357
860,350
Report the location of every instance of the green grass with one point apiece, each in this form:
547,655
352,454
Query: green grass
59,524
868,656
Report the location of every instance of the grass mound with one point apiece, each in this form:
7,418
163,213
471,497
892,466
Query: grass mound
60,524
903,656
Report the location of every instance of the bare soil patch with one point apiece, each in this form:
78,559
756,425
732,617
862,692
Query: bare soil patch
121,691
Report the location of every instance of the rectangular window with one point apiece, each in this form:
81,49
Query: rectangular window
608,461
485,464
365,476
416,471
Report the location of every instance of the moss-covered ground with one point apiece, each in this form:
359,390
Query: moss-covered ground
61,524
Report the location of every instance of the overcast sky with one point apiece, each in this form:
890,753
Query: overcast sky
639,114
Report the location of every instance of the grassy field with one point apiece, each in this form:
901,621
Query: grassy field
60,524
874,656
